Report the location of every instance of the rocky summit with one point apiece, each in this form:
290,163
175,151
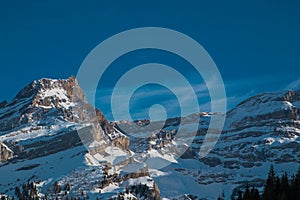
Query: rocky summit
52,137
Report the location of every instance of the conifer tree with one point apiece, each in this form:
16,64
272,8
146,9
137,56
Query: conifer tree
247,193
254,194
269,189
284,188
240,195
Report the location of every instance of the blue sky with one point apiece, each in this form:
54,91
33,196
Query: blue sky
255,44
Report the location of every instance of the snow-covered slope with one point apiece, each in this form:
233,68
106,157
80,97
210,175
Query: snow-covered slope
40,142
42,134
260,131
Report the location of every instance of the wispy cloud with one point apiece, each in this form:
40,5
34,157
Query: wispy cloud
186,96
239,91
293,85
231,101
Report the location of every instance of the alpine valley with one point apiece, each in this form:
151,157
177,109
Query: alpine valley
53,139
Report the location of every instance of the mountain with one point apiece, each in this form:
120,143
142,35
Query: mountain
45,108
51,136
260,131
43,134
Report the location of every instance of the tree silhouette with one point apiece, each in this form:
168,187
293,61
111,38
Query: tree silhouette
275,188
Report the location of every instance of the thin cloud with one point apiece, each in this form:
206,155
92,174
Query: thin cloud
293,85
232,101
185,94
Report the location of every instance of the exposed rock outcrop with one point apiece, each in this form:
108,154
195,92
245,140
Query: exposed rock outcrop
5,153
37,112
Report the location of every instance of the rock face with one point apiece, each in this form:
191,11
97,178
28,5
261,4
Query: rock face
56,108
258,132
276,106
5,153
49,118
45,126
35,102
45,98
262,128
270,122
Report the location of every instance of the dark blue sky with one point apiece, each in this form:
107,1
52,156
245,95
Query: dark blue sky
255,44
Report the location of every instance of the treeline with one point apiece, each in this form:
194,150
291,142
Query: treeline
276,188
140,191
29,191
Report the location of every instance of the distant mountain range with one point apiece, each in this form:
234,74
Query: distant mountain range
50,135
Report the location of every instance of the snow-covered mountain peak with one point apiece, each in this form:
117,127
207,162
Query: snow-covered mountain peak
51,93
284,96
39,132
42,100
277,105
47,109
